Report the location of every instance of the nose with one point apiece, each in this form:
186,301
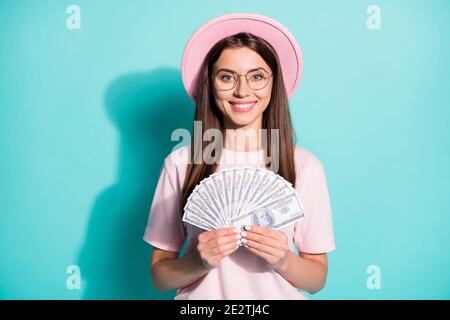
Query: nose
241,87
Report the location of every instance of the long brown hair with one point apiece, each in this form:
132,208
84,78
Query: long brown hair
275,116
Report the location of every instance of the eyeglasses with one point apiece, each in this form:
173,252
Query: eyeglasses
225,80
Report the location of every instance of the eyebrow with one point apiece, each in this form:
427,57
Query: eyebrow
254,69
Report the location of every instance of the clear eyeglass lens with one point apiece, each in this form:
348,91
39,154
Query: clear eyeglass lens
256,80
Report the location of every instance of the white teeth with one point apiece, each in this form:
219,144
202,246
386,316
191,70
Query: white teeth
243,106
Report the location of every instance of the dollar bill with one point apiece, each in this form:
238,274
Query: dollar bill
243,195
276,215
193,216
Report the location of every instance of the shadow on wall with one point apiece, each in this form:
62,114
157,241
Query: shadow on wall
145,108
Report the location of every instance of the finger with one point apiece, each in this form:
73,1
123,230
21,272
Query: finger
208,235
261,247
269,232
275,243
219,250
226,253
220,241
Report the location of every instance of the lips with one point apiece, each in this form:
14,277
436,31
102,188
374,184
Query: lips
242,106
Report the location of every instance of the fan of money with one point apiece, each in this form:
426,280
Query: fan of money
243,196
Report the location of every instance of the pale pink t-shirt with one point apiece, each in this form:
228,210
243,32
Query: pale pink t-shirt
242,275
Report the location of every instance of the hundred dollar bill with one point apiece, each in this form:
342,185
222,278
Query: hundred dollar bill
213,198
258,188
203,210
276,215
200,196
253,189
218,185
192,216
243,174
227,177
275,189
248,187
197,207
237,177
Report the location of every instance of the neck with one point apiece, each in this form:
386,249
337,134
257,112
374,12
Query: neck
243,138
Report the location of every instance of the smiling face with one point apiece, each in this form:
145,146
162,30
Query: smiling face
242,107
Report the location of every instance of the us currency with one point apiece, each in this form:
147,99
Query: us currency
277,215
201,196
249,188
213,197
218,186
196,218
274,190
227,180
237,178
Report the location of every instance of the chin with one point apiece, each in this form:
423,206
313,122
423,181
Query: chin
243,121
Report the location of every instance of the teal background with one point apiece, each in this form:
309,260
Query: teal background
86,117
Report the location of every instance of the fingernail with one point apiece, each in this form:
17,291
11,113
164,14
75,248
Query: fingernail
243,233
238,236
243,240
245,245
247,228
238,243
236,230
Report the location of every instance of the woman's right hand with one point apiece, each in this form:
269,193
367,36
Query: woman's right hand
214,245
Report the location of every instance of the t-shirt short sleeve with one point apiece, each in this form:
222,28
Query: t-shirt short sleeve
314,234
164,228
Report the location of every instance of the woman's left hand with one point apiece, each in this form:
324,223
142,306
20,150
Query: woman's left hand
269,244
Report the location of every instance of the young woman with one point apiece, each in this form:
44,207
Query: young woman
243,81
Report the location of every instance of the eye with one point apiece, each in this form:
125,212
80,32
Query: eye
226,78
257,77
